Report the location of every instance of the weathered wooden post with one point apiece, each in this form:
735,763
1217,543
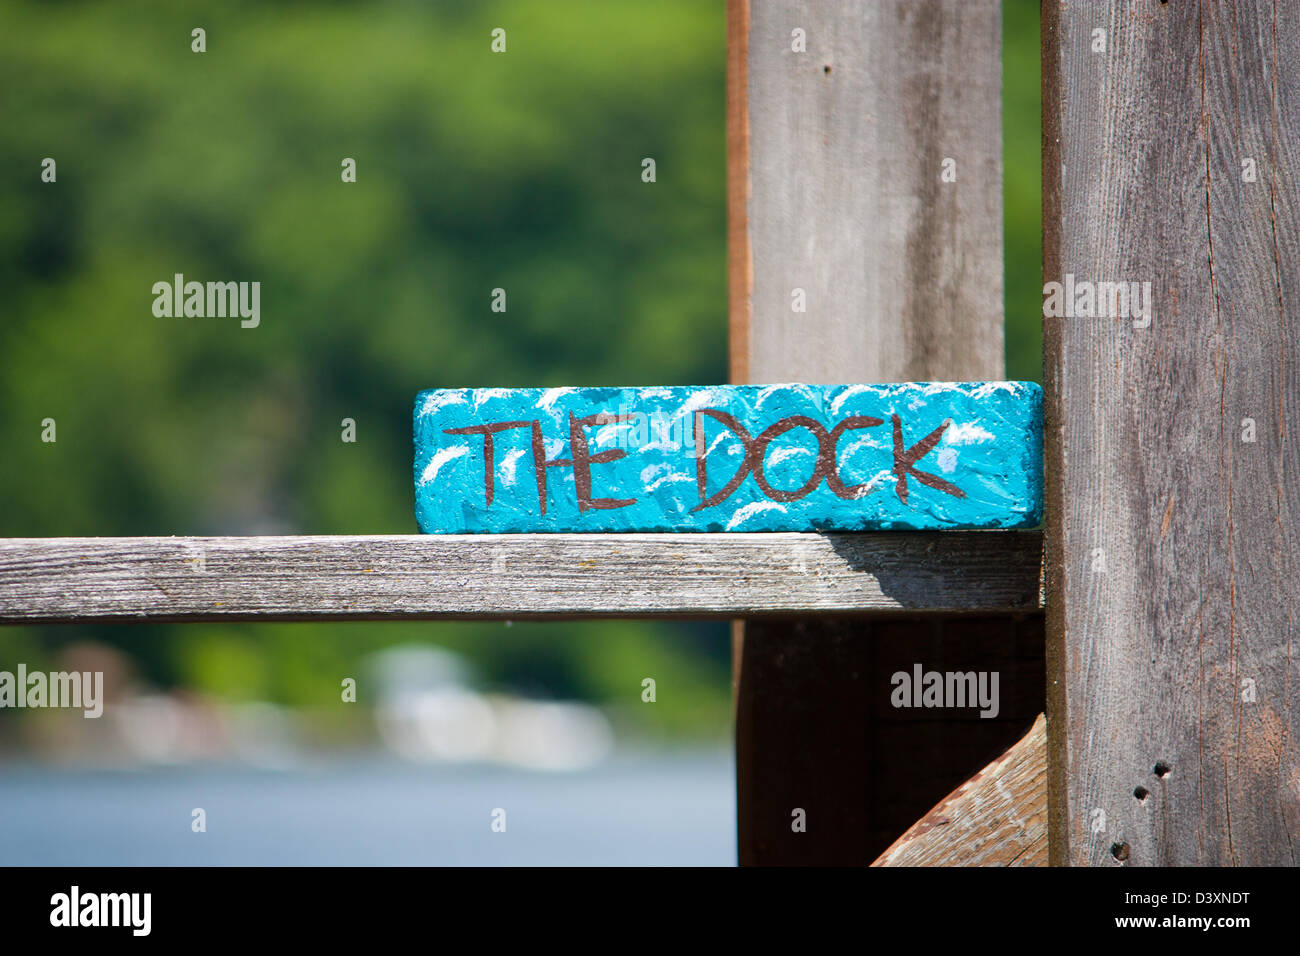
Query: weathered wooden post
1172,228
865,196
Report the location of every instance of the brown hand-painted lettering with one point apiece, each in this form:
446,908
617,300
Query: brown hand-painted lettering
825,467
904,460
489,454
583,459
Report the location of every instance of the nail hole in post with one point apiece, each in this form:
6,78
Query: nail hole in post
1161,769
1141,793
1119,851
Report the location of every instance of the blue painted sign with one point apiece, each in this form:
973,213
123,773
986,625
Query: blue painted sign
919,455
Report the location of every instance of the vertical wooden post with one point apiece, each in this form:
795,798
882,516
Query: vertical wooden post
1171,143
838,196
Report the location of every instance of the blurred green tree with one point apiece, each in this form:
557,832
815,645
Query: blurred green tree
475,171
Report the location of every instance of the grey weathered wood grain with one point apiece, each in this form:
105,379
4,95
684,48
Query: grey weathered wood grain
996,818
835,165
1180,653
846,143
515,576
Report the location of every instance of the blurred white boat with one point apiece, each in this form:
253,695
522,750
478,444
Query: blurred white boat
427,712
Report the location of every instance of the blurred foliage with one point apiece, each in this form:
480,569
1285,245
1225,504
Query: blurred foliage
474,171
1022,193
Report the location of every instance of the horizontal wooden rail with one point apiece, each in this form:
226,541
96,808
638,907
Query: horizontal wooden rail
68,580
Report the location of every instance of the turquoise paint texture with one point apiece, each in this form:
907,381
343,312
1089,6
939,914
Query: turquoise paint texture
918,455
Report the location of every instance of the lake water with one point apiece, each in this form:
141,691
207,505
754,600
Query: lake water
647,810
